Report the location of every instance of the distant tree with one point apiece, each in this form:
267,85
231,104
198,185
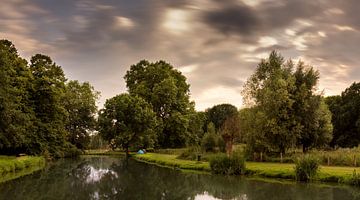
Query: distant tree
230,130
252,124
219,113
128,121
80,104
335,106
165,88
197,123
16,114
210,139
346,116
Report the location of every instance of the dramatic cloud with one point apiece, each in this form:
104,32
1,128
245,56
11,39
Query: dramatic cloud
216,44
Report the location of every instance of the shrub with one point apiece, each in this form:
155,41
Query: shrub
222,164
306,168
190,153
354,179
209,142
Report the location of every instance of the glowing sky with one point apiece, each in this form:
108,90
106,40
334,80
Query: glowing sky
216,44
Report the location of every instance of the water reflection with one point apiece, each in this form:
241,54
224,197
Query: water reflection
116,178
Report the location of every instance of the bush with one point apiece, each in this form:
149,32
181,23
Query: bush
209,142
190,153
306,168
222,164
354,179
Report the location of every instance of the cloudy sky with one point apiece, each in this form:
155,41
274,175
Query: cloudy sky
215,43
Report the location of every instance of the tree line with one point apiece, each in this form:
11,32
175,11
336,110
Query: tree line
41,112
44,113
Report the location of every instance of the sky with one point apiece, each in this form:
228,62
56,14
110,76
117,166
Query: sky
216,44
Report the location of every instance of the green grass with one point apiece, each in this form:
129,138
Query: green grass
103,152
12,167
253,169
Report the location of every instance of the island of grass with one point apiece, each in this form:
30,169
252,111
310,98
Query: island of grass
12,167
333,174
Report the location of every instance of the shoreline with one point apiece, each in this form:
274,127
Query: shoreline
279,171
15,167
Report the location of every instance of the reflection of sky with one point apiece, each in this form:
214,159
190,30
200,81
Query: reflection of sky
96,174
207,196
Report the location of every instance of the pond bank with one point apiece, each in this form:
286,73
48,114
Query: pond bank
12,167
253,169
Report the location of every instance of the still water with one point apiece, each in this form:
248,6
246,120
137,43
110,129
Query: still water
101,177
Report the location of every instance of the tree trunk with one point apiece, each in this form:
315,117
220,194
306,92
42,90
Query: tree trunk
229,147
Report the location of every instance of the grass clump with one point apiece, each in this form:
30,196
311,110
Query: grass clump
306,168
228,165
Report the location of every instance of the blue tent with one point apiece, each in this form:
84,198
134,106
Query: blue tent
140,152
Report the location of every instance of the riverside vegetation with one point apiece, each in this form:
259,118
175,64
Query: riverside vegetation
284,118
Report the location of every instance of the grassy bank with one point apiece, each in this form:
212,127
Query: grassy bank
253,169
103,152
12,167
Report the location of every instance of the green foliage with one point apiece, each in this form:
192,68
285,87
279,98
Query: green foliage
16,115
306,168
222,164
37,108
219,113
128,121
80,104
209,142
290,112
190,153
346,116
354,179
165,88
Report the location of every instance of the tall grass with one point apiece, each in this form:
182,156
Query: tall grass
228,165
306,168
10,164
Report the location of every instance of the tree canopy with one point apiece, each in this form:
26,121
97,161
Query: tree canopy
127,121
165,88
285,96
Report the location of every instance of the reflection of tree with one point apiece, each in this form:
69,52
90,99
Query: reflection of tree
119,179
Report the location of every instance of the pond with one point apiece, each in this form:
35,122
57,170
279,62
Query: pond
105,177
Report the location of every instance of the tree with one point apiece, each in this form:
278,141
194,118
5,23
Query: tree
335,106
47,99
210,140
165,88
310,110
197,126
270,88
219,113
16,115
127,120
346,116
230,130
80,104
293,113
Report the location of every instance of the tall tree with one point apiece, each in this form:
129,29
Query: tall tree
310,110
346,113
47,100
16,115
219,113
80,104
270,88
294,114
165,88
128,121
